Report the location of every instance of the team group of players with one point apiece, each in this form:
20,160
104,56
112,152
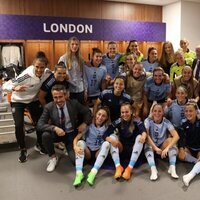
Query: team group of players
139,106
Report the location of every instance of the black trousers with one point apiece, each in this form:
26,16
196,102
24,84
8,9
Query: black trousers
78,96
35,110
49,138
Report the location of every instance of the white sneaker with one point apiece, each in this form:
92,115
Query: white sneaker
172,171
52,164
154,173
187,178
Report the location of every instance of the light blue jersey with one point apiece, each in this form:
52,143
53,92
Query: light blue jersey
156,92
94,137
94,77
76,76
149,67
175,113
158,132
112,65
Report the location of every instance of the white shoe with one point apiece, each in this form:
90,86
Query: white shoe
172,171
187,178
154,174
52,164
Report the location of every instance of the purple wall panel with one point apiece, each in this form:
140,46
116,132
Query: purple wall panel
58,28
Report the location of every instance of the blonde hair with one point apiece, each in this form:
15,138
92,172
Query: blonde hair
164,57
181,88
179,52
195,106
126,67
77,54
131,127
152,108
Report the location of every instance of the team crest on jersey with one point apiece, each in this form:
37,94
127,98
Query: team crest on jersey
117,121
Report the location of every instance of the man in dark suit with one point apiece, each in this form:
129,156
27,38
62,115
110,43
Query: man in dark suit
196,64
196,67
60,122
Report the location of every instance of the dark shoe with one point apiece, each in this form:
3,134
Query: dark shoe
60,146
43,151
23,156
40,149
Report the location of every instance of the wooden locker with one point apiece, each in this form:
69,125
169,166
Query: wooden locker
87,46
33,46
60,48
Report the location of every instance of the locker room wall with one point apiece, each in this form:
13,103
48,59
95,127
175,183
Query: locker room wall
97,9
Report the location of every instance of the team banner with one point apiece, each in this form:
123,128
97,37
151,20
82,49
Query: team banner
24,27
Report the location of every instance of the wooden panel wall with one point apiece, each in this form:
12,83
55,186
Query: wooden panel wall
33,46
65,8
98,9
12,7
60,48
83,8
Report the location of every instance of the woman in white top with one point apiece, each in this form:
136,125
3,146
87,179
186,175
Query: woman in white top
25,90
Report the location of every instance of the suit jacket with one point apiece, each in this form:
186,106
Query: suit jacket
194,65
50,116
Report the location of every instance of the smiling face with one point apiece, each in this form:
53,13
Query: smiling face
101,117
134,47
180,59
184,44
39,68
130,60
126,112
137,70
60,74
190,113
181,94
74,46
158,76
97,59
157,113
118,86
112,50
153,55
187,73
168,48
59,97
